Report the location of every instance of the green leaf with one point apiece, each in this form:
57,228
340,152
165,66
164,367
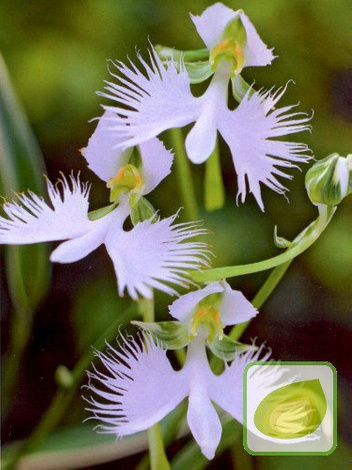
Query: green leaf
214,191
227,348
171,334
22,167
292,411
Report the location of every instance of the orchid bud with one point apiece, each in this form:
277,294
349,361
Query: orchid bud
330,180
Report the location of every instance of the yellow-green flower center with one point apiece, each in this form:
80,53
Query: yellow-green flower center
128,179
207,318
230,49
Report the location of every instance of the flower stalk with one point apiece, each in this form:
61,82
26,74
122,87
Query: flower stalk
300,244
184,176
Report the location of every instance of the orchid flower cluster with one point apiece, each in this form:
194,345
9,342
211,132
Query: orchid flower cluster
139,386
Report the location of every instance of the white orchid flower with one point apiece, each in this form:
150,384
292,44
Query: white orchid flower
151,255
112,165
212,308
141,387
161,98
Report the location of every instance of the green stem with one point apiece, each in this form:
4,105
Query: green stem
214,190
184,176
303,241
66,392
157,454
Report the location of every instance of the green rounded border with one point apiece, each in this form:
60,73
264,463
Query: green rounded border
290,363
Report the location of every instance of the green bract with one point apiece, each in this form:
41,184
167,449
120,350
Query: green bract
330,180
171,334
227,348
102,212
292,411
141,208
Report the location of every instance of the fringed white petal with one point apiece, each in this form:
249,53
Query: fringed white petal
183,307
235,308
248,131
102,154
31,220
157,162
138,388
152,255
226,389
160,98
211,31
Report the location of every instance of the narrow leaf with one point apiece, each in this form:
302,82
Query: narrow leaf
22,167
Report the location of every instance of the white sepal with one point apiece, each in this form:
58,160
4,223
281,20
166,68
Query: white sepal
256,53
184,307
233,307
102,153
105,156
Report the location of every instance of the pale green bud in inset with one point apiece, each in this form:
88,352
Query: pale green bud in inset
330,180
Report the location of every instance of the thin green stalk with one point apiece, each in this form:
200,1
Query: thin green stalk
157,454
67,390
184,176
261,296
301,243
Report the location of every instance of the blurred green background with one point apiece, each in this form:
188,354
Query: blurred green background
56,53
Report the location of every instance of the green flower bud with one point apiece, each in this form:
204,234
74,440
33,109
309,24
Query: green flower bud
330,180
